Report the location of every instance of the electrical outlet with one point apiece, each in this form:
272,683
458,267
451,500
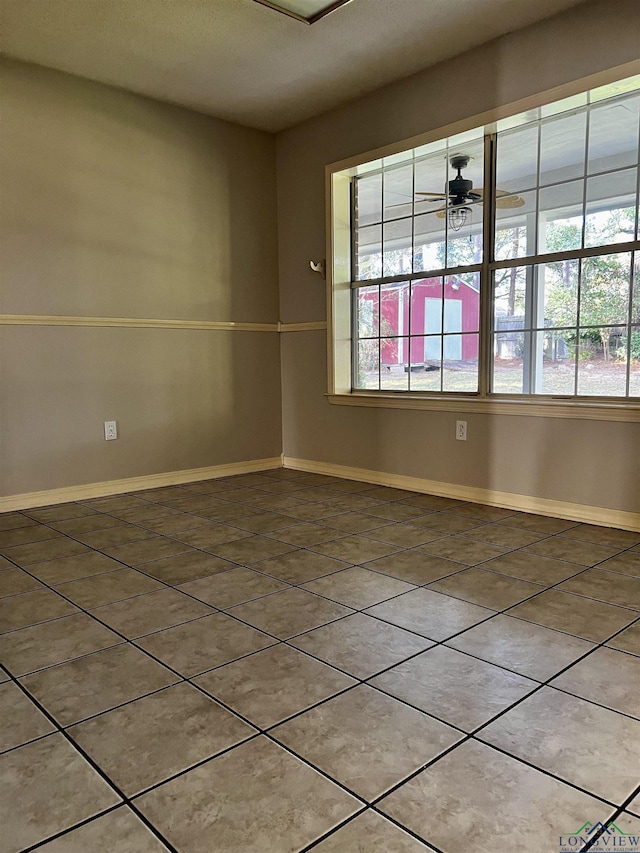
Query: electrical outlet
461,430
110,430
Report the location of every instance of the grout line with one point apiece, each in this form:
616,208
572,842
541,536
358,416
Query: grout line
95,767
358,681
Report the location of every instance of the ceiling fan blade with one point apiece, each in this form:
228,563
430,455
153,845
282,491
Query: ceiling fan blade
433,195
503,195
509,201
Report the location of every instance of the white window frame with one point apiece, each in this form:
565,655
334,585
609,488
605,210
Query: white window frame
339,273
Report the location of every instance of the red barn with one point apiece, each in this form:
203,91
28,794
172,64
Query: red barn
422,317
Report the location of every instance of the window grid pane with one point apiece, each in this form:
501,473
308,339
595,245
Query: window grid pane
567,182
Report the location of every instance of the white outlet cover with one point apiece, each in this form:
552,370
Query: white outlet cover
110,430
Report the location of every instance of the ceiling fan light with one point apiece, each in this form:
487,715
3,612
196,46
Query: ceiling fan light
458,217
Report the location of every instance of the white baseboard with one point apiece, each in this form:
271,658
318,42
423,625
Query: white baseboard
135,484
508,500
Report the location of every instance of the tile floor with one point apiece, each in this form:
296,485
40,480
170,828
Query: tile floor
281,661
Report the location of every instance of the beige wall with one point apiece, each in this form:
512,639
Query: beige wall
587,462
117,206
114,205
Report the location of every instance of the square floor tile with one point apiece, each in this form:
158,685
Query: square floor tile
21,719
370,833
433,502
610,587
144,512
305,534
582,553
228,512
265,800
628,640
532,568
498,797
487,589
46,787
288,613
429,613
415,567
346,486
404,534
386,493
26,535
592,620
281,487
634,805
528,649
13,520
111,536
262,522
72,526
355,522
162,494
355,549
266,502
463,550
145,550
358,587
354,502
447,523
14,581
628,823
271,685
155,611
119,830
366,740
49,549
242,495
627,563
297,567
233,587
482,511
204,644
500,534
360,645
603,535
592,747
211,535
177,523
108,587
55,572
250,550
73,691
29,608
607,677
49,643
59,512
173,729
186,567
395,512
311,511
454,687
114,502
538,523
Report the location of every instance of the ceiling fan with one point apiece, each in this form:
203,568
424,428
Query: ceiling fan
461,194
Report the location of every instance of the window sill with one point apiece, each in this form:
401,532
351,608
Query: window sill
576,410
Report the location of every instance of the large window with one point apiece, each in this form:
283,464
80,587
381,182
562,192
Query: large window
503,261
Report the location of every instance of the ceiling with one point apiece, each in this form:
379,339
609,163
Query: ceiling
241,61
